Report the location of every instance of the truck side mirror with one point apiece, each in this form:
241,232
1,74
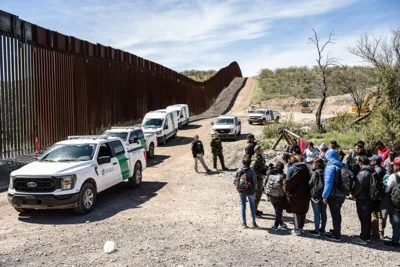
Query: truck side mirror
104,160
134,140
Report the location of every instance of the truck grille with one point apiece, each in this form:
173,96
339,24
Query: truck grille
254,118
37,185
224,131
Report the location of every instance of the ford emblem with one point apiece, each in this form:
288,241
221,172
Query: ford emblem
31,184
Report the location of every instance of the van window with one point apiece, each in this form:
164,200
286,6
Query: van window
118,148
139,134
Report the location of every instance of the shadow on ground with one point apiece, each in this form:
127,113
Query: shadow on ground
156,159
109,203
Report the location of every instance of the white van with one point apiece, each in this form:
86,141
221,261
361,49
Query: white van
182,111
161,122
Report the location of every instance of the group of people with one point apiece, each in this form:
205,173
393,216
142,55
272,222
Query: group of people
321,177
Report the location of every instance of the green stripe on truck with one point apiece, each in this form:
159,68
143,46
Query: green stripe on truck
123,163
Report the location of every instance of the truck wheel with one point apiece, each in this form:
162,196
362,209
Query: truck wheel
175,134
136,179
164,140
250,122
22,210
277,119
151,150
240,131
264,121
179,125
87,199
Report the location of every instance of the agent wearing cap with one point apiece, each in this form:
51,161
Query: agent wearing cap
379,208
251,143
198,153
216,149
259,167
335,146
393,182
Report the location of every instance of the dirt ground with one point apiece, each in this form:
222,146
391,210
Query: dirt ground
179,218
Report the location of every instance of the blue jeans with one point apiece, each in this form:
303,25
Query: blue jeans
395,221
335,205
252,207
319,216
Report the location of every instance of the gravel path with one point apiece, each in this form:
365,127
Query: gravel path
177,218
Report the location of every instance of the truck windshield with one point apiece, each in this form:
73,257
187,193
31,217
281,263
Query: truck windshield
123,136
152,123
225,121
66,153
260,111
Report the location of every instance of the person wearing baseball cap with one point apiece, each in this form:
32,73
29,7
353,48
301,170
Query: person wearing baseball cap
392,184
216,149
335,146
363,202
379,208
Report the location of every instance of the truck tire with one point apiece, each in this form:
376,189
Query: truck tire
277,119
87,199
136,179
164,140
250,122
175,135
151,151
240,131
264,122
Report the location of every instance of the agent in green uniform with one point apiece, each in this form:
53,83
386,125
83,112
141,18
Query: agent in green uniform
216,149
260,168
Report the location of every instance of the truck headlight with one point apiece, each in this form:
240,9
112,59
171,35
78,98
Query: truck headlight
11,185
68,182
159,132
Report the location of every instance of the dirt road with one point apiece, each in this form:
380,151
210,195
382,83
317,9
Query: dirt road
177,218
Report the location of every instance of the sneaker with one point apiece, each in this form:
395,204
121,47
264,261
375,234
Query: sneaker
225,168
283,225
386,238
275,228
369,241
296,232
359,241
302,231
333,238
314,233
322,231
196,171
255,225
244,225
392,244
208,170
330,230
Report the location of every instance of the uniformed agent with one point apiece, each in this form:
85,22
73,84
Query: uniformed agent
260,168
216,149
198,153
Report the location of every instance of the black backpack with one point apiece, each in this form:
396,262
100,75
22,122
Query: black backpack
345,180
376,187
395,194
318,187
242,183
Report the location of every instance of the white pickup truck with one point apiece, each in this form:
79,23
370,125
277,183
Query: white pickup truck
263,116
228,127
72,172
134,135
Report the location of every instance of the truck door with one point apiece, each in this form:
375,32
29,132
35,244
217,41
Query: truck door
121,166
140,136
108,172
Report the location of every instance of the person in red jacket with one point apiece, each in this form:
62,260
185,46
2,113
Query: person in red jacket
383,151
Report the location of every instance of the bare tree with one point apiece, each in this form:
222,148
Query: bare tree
355,83
324,62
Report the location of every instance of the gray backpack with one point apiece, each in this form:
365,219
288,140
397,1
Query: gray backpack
274,184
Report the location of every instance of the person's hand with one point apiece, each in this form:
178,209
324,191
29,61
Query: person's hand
325,201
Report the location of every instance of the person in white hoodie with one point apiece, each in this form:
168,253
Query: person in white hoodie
310,154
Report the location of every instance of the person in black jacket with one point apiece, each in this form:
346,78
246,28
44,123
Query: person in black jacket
198,153
251,144
316,184
363,202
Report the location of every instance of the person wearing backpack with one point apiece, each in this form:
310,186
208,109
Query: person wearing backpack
245,180
379,216
361,192
316,184
352,159
297,192
273,189
332,195
393,188
259,167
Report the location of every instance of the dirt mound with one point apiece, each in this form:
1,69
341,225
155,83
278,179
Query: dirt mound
333,104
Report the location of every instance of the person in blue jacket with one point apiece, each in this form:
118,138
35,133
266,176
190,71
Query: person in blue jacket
331,195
